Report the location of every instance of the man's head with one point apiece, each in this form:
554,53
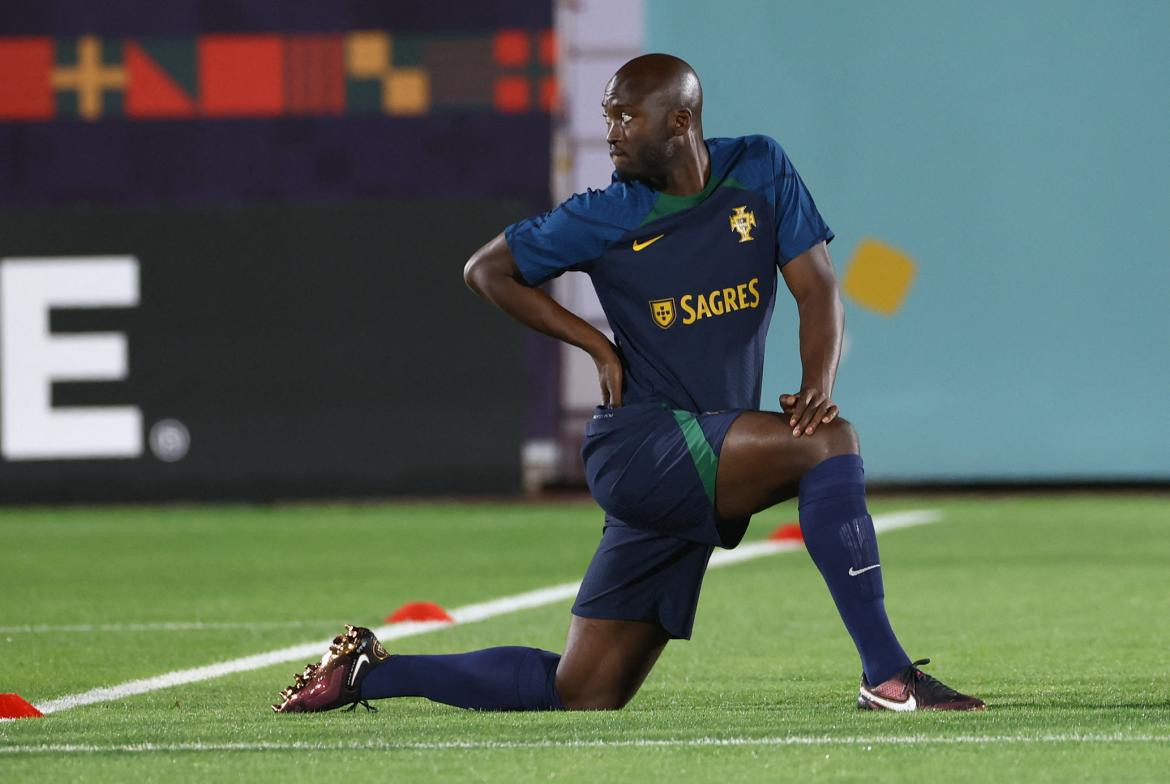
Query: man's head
653,108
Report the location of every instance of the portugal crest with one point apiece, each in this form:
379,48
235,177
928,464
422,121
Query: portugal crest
663,311
743,221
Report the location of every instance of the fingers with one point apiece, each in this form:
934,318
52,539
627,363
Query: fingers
799,410
812,412
611,386
814,417
807,411
614,393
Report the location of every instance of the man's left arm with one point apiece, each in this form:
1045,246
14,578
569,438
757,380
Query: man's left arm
813,284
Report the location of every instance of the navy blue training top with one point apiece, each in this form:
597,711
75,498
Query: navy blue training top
687,282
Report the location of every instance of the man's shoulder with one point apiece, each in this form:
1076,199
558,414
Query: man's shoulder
748,162
577,231
753,147
620,205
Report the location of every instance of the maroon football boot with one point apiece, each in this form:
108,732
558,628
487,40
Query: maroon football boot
912,689
337,679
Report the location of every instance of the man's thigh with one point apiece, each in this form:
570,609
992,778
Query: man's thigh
761,462
654,469
643,576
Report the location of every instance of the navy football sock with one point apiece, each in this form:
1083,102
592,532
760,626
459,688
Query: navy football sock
839,535
510,678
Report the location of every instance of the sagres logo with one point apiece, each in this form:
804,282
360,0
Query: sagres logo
743,221
663,311
706,304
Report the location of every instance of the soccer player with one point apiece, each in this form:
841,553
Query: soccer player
683,249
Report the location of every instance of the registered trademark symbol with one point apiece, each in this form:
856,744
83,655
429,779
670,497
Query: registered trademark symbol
169,440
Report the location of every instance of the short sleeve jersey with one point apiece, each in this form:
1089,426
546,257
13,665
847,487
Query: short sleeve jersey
687,282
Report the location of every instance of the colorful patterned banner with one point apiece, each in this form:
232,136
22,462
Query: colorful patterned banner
508,71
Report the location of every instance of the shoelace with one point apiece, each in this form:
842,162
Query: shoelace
353,706
933,684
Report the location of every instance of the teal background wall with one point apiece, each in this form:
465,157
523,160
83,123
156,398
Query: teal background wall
1018,153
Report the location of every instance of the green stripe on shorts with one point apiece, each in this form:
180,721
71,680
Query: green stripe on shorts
706,461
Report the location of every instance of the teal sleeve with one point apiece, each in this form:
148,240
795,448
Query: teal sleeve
799,224
573,235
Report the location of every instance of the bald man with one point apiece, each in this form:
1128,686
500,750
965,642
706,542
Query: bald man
683,249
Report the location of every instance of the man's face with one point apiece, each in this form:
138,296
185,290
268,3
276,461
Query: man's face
639,142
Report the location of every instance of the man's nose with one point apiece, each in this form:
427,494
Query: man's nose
615,133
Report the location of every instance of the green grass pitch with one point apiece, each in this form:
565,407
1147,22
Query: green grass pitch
1056,610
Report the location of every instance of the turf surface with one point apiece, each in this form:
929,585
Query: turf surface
1055,610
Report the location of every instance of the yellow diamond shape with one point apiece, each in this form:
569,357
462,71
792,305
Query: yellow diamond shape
879,277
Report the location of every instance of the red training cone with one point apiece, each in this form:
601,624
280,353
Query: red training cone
13,706
787,532
419,611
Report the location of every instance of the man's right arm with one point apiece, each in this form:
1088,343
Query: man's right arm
491,272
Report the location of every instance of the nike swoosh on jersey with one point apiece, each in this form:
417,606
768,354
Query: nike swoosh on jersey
647,243
357,668
854,572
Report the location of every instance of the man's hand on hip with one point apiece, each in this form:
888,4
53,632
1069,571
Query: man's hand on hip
609,372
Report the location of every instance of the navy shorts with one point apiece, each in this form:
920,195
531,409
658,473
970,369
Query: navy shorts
652,469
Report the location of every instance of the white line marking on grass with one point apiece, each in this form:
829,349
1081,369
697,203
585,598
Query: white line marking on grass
160,626
492,745
467,614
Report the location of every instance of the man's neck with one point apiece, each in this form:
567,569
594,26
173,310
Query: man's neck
692,171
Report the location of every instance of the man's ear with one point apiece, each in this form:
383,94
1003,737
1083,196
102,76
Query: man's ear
681,121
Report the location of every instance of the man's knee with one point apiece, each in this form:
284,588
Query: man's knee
830,440
591,697
840,438
606,661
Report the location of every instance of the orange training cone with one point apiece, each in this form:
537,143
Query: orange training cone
787,532
13,706
419,611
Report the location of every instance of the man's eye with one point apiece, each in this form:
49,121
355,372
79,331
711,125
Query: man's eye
626,117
